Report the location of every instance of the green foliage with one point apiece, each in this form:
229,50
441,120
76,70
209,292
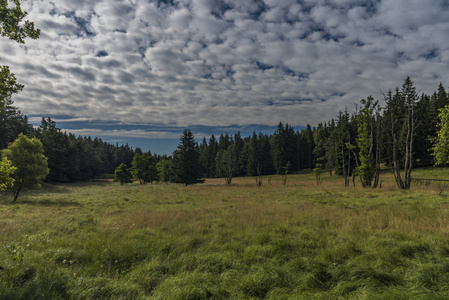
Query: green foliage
164,170
12,123
122,174
320,135
72,158
283,147
144,168
185,163
6,172
11,24
27,156
259,159
227,163
367,125
8,86
440,150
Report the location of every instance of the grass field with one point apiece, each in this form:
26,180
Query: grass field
102,240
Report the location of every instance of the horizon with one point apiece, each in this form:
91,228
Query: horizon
140,71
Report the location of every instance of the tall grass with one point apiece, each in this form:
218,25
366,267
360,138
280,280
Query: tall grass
214,241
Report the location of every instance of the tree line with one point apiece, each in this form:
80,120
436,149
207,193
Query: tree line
403,133
399,134
70,158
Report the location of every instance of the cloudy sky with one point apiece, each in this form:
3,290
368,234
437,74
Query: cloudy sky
140,71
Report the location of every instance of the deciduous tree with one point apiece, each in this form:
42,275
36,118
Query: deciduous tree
6,172
27,156
13,27
144,167
440,150
368,120
122,174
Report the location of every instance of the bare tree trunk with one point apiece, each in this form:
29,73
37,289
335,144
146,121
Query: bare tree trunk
377,172
349,162
17,192
396,171
354,173
411,123
259,174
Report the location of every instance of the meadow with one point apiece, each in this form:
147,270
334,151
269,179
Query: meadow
103,240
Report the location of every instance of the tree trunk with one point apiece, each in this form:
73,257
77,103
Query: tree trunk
259,174
377,172
16,193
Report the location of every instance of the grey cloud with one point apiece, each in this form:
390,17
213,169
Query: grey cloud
225,62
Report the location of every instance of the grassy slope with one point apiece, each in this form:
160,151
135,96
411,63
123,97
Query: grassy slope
211,241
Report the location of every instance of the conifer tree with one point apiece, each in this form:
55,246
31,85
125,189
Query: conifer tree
283,148
401,124
186,167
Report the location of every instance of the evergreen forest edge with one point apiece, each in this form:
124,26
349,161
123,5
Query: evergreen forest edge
342,146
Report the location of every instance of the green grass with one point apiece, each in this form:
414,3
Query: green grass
300,241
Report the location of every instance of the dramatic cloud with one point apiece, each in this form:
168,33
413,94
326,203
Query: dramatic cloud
221,62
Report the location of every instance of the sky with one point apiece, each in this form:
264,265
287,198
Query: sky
140,71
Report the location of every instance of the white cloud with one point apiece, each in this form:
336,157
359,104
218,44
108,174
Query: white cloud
223,62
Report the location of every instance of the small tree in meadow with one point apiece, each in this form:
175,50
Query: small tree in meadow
368,119
27,156
144,168
122,174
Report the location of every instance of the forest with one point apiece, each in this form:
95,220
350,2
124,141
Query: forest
355,145
400,132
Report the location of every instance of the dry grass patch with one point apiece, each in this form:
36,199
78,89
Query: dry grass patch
301,240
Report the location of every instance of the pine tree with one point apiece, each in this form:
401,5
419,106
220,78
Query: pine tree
331,148
400,122
186,167
211,156
319,138
55,148
283,148
12,123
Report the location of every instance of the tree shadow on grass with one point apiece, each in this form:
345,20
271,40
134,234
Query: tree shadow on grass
38,197
47,202
37,202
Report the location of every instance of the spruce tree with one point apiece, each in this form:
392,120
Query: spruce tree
186,168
